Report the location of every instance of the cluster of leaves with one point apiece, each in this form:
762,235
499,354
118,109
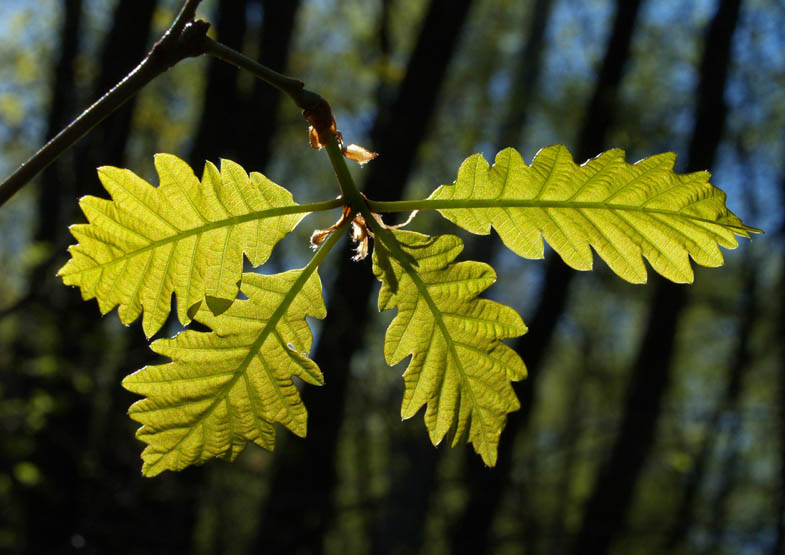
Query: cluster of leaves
228,387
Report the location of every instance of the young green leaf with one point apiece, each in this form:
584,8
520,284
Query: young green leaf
624,211
183,236
228,387
459,367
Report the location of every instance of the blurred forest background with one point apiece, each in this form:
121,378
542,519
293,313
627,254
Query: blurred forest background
654,416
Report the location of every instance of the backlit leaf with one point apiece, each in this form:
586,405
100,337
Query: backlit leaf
226,388
623,211
184,237
459,366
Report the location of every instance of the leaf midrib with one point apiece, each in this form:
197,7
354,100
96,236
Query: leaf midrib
241,369
468,204
226,222
269,327
422,288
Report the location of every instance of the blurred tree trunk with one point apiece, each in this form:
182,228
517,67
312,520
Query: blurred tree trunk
403,523
69,498
384,91
125,46
61,111
277,32
300,505
729,474
364,439
685,515
240,126
527,75
779,509
401,516
16,383
574,425
487,486
609,502
222,107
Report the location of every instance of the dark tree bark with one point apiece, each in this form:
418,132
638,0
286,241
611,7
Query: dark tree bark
610,500
300,506
487,486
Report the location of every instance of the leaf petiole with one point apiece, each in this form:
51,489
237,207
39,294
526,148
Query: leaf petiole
359,204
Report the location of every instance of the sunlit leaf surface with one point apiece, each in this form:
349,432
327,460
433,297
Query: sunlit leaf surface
459,366
226,388
623,211
185,237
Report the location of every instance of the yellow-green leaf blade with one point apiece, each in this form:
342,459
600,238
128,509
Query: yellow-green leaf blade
185,237
459,366
623,211
226,388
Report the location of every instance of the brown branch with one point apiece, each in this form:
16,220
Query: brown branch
184,39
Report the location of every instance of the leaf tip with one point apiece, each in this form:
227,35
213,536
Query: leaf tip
151,470
750,229
488,455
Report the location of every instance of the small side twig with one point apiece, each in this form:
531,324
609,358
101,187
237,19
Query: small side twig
184,39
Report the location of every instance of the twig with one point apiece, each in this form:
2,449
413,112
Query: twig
316,109
303,98
184,39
